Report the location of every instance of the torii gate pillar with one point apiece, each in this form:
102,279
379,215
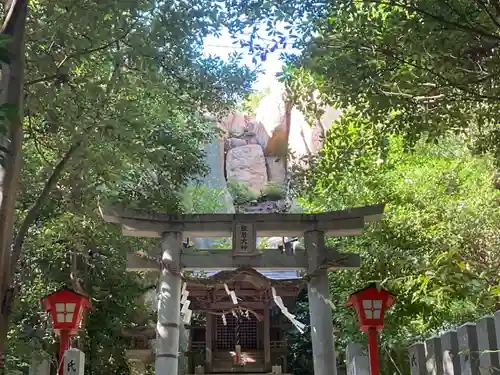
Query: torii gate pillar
320,313
169,297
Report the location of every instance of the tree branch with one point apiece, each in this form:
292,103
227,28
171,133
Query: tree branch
100,48
442,20
10,18
416,99
34,210
43,79
487,11
442,78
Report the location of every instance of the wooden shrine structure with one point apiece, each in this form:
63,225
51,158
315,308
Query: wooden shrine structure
254,323
243,308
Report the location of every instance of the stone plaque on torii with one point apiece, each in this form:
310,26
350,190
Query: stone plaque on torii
244,239
315,259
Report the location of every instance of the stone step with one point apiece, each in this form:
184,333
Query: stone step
242,355
229,355
230,358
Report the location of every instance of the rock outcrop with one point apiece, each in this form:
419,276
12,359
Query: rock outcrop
259,149
215,181
247,165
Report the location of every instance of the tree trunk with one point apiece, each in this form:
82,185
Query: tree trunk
12,100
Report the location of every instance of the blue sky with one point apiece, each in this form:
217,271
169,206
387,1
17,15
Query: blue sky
222,46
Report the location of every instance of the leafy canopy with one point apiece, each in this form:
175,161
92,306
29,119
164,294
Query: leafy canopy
117,95
437,247
423,68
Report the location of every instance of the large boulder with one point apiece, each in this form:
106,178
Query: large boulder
239,126
256,133
246,165
234,124
236,142
216,185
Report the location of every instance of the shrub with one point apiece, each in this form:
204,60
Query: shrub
241,193
272,190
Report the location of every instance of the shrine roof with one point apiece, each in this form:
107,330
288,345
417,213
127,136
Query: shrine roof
251,286
270,274
245,274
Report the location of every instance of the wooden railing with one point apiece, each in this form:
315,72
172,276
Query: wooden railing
140,343
277,344
197,345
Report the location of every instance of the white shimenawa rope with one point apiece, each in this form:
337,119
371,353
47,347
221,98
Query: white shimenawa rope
279,302
231,294
186,313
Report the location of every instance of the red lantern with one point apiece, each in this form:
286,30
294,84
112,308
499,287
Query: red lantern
66,307
370,304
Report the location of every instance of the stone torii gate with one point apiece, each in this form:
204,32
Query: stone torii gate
316,260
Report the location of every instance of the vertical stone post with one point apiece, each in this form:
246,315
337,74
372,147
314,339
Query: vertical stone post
39,367
209,329
320,313
417,359
468,348
434,356
357,360
267,338
488,346
497,326
74,362
451,359
169,297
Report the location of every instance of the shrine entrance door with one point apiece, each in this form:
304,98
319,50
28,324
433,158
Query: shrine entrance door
226,335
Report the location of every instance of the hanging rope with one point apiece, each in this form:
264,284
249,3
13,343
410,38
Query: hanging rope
243,309
237,330
237,346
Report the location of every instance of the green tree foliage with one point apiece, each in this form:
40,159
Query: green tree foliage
75,249
432,66
423,68
116,95
200,199
437,247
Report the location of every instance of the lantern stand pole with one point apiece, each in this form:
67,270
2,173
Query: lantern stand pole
63,346
373,351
